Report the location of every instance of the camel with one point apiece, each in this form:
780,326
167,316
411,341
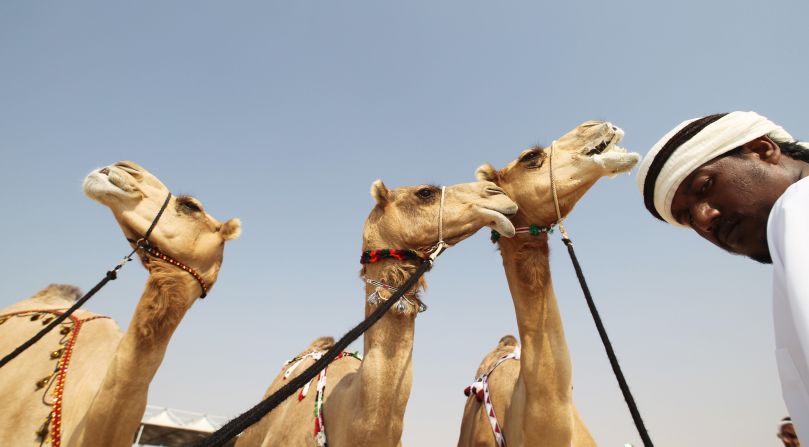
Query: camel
532,397
86,383
364,402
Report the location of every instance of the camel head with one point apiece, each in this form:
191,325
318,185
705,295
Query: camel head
185,232
580,158
407,217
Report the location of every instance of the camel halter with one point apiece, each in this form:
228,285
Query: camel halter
253,415
372,256
110,276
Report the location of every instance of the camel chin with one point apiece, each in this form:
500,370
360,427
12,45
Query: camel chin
617,161
500,222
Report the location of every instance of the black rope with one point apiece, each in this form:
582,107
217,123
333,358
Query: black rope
253,415
616,368
110,276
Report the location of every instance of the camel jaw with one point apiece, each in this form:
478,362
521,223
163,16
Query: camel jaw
617,161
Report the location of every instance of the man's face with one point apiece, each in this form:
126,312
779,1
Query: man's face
728,200
788,436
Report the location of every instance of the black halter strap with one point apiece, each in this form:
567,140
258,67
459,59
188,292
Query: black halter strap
144,241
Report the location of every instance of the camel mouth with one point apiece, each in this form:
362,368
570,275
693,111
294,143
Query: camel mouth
612,157
607,144
108,183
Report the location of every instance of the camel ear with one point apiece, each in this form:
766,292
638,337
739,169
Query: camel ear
508,340
486,173
231,229
380,193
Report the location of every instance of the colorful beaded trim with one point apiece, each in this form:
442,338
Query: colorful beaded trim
53,424
480,389
160,255
372,256
320,427
320,423
533,230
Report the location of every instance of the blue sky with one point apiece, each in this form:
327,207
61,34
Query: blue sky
284,113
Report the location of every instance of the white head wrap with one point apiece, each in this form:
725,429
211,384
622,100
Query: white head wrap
721,136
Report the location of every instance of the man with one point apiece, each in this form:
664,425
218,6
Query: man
786,433
740,181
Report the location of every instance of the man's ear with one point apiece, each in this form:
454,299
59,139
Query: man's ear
764,148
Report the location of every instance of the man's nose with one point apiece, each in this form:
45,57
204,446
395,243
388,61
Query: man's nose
703,216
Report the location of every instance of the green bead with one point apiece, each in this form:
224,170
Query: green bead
534,230
495,236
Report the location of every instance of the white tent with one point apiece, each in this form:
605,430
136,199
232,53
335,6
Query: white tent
175,428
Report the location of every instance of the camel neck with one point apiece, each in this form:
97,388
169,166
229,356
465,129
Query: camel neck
168,294
545,367
386,373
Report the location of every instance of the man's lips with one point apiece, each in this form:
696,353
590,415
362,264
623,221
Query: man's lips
726,232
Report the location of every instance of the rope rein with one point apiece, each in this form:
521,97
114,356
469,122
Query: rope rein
110,276
253,415
602,332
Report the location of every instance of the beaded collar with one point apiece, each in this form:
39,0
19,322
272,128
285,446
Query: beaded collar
152,250
533,230
372,256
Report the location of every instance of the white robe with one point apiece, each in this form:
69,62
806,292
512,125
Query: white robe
788,239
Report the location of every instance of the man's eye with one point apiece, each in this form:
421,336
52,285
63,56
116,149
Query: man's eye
706,185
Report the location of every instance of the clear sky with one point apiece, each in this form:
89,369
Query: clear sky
284,113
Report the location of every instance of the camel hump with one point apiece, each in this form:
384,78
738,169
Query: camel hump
322,344
58,292
507,340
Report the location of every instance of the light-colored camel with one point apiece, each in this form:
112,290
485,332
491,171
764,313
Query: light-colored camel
533,397
85,383
365,400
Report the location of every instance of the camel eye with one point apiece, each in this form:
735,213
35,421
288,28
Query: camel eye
424,193
533,155
189,206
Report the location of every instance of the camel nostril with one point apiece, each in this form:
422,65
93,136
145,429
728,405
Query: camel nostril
494,190
105,171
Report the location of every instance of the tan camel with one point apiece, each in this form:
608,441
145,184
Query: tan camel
532,398
364,402
85,383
